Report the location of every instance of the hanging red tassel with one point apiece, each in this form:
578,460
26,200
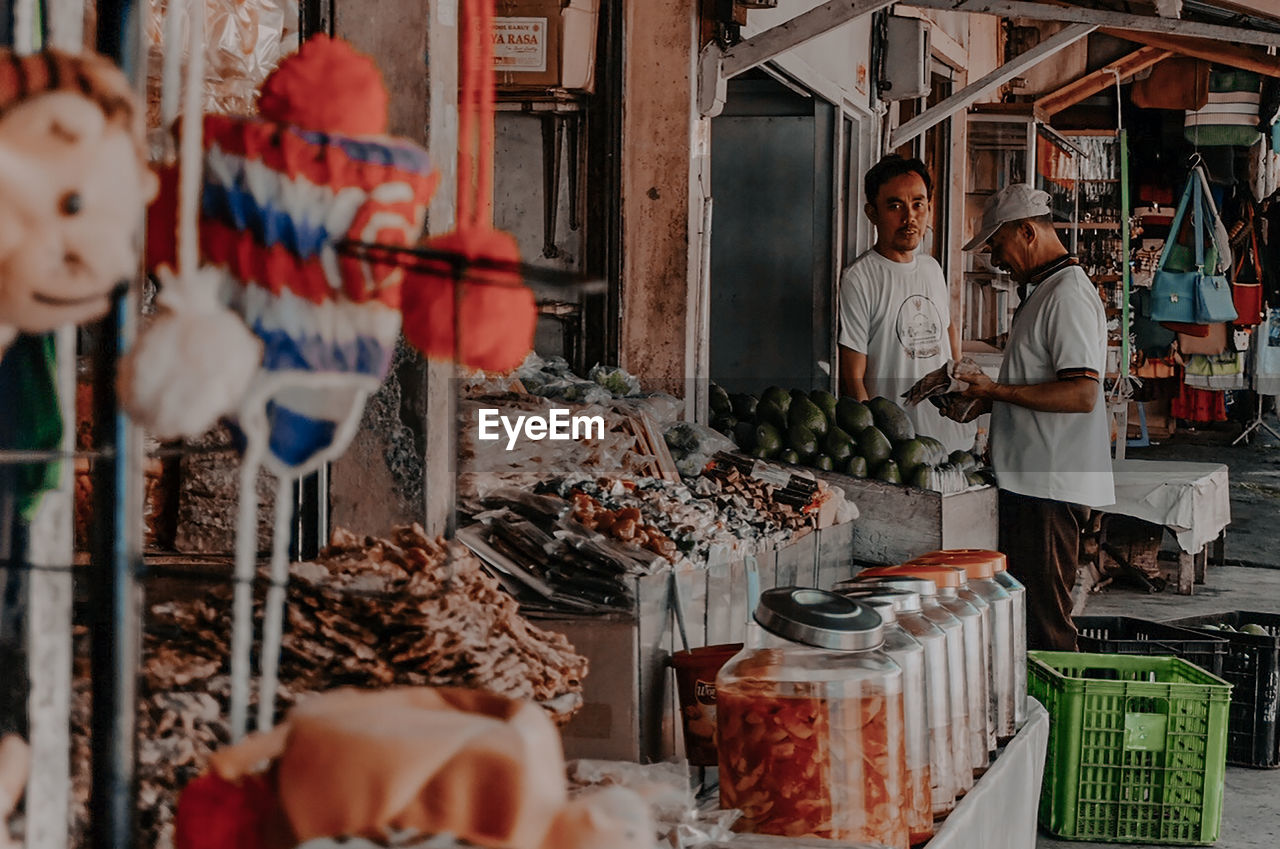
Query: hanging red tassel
495,314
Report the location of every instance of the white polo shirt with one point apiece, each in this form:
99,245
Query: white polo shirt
1060,331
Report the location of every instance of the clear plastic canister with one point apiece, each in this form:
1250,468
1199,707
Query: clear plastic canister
977,647
906,651
1018,593
953,670
981,569
810,723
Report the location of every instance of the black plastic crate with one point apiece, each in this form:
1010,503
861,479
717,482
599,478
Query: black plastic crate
1252,667
1129,635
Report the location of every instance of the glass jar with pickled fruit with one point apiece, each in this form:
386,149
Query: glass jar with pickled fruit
906,651
954,673
810,723
980,566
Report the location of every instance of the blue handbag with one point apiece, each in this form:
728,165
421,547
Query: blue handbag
1191,297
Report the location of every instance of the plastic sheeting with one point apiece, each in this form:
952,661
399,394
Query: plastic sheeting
1190,499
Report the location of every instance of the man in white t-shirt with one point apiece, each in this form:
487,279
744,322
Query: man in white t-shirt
895,316
1050,443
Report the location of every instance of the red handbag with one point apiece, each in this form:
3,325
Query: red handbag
1247,297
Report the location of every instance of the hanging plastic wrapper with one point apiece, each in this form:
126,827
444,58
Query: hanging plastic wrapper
276,196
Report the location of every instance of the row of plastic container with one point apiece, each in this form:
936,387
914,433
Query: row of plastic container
863,713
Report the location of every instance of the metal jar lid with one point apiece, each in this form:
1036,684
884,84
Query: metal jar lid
904,599
819,618
922,587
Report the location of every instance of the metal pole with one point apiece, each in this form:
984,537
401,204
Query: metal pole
116,550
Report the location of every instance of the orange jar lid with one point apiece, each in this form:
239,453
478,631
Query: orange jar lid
997,559
942,574
879,571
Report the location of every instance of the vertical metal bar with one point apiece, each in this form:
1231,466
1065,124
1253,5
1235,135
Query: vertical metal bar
116,544
1124,253
113,613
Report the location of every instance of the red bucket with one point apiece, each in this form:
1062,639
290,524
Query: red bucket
696,683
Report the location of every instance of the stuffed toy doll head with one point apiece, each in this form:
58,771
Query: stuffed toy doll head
73,185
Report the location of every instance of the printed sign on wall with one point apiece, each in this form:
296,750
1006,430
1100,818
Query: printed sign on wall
520,44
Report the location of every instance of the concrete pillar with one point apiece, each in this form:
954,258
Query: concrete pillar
379,482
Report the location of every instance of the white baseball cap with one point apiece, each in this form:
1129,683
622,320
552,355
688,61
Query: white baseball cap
1012,203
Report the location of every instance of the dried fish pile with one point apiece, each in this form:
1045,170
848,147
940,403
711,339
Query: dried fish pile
368,613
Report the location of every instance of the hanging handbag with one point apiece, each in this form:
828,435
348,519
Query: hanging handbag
1246,282
1192,296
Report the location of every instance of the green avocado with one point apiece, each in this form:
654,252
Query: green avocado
853,416
911,455
839,446
856,467
891,420
770,413
786,455
805,413
802,441
826,402
725,424
888,472
923,477
822,461
768,439
964,460
873,445
719,401
777,396
744,406
935,451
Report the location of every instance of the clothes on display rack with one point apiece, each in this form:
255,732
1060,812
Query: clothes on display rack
1216,371
1265,364
1199,406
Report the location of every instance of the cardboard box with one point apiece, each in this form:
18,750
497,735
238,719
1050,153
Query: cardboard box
544,44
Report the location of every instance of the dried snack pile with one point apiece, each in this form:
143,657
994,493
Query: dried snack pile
368,612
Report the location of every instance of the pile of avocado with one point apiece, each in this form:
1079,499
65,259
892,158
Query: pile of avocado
1250,628
875,439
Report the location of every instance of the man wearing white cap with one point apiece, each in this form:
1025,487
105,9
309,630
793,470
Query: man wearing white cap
1050,443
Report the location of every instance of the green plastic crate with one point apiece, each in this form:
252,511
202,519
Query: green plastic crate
1137,747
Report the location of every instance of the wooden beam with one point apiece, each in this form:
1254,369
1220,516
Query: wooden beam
1090,84
791,34
970,93
1245,58
1103,18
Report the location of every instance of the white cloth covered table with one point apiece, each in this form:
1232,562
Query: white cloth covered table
1000,811
1190,499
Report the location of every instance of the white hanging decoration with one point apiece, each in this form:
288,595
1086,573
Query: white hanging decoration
193,363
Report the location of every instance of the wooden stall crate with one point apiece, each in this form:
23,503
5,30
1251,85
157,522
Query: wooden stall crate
897,522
